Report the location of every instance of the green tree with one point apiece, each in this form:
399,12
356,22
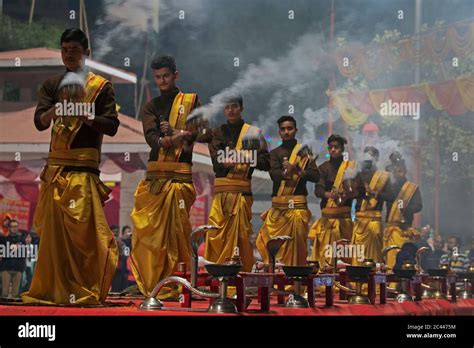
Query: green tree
15,34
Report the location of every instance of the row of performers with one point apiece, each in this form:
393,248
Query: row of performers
78,254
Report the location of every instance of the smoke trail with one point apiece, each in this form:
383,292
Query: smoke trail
296,69
128,21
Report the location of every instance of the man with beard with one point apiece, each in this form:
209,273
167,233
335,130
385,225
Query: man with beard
403,201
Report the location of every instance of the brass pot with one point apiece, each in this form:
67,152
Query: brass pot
408,264
369,263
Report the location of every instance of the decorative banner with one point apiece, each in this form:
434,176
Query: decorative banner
18,209
456,41
456,97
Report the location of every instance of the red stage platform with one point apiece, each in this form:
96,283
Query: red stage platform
130,308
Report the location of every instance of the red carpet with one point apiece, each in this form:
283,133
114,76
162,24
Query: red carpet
130,308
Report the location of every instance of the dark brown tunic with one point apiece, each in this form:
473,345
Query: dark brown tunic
363,178
414,206
327,176
226,136
310,173
151,124
106,118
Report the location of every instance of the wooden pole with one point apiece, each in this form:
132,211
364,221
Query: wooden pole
332,83
32,11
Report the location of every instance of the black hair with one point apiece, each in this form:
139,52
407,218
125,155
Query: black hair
74,34
12,220
458,240
336,137
125,227
235,98
286,118
372,150
164,62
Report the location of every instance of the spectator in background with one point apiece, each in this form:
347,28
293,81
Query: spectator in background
431,259
31,254
426,239
127,251
14,265
457,262
5,224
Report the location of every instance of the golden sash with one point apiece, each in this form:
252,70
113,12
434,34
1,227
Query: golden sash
406,193
222,185
169,170
236,180
369,214
338,183
377,183
182,106
65,128
288,187
240,170
284,202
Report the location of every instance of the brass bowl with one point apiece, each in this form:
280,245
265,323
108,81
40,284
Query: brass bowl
315,265
369,263
297,271
223,270
438,272
358,273
404,273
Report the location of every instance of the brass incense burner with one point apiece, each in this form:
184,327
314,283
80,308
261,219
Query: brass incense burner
404,275
360,275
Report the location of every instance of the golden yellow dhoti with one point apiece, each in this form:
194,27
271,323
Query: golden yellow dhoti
334,224
161,227
280,220
394,234
231,212
368,230
368,233
78,254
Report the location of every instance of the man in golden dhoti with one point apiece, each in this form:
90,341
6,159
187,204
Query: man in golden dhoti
78,253
291,168
161,226
403,202
335,222
372,188
236,149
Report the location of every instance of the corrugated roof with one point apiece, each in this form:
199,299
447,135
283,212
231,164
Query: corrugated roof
42,56
17,127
